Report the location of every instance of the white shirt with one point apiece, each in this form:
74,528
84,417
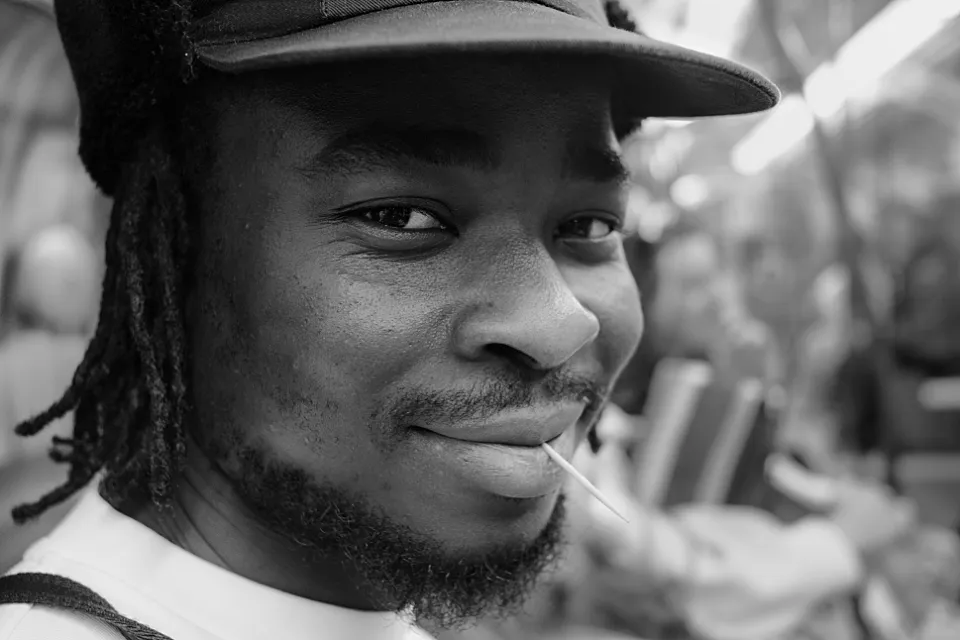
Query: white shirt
149,579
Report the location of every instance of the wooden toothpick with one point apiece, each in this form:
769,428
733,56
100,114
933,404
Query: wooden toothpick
569,468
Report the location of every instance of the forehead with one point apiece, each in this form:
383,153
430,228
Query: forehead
486,94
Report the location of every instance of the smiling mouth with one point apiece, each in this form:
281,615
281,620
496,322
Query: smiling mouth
498,463
516,443
521,428
520,441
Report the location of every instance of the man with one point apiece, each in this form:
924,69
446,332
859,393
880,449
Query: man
364,258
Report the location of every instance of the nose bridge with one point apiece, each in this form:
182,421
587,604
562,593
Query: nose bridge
521,300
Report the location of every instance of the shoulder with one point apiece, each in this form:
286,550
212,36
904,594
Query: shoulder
415,632
27,622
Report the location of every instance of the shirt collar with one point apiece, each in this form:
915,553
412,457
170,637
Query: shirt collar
225,604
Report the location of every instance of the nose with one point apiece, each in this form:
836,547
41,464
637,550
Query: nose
524,311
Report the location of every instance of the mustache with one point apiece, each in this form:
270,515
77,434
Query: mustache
486,399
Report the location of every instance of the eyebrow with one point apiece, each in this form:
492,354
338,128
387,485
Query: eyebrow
594,164
389,146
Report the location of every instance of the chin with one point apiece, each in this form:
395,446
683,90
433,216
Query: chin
494,523
442,550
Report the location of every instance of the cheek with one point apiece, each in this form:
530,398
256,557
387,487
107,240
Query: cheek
614,298
359,336
301,349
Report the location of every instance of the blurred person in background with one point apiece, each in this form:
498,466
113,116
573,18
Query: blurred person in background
51,299
723,572
694,311
834,410
730,572
699,311
810,423
926,313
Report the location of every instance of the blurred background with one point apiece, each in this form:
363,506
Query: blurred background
816,247
835,219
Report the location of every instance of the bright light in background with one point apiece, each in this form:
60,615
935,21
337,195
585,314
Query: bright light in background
787,126
646,217
667,154
889,38
690,191
712,26
655,126
655,221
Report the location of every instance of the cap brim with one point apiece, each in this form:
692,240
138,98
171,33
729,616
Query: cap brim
654,78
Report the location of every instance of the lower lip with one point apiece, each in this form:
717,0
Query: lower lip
503,470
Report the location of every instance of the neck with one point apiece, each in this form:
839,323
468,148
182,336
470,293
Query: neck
207,518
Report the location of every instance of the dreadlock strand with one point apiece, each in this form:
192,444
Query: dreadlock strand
123,396
101,358
92,418
83,467
94,366
129,394
89,373
125,470
103,354
168,444
140,330
116,363
67,402
129,411
26,512
169,238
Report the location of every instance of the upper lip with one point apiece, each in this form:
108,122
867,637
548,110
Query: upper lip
519,428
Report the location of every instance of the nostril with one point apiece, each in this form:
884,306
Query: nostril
513,355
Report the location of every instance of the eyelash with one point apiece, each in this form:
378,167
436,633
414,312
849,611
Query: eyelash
365,214
368,213
615,224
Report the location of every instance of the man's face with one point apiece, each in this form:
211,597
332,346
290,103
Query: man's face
410,276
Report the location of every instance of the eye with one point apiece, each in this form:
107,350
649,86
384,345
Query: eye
403,218
588,228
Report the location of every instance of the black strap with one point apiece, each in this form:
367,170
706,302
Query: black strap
50,590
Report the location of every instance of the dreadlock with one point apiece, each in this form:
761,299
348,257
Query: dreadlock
130,392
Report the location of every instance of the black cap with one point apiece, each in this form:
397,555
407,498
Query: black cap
126,56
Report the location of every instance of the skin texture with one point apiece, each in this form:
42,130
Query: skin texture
345,300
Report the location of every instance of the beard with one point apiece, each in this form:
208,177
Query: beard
409,572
